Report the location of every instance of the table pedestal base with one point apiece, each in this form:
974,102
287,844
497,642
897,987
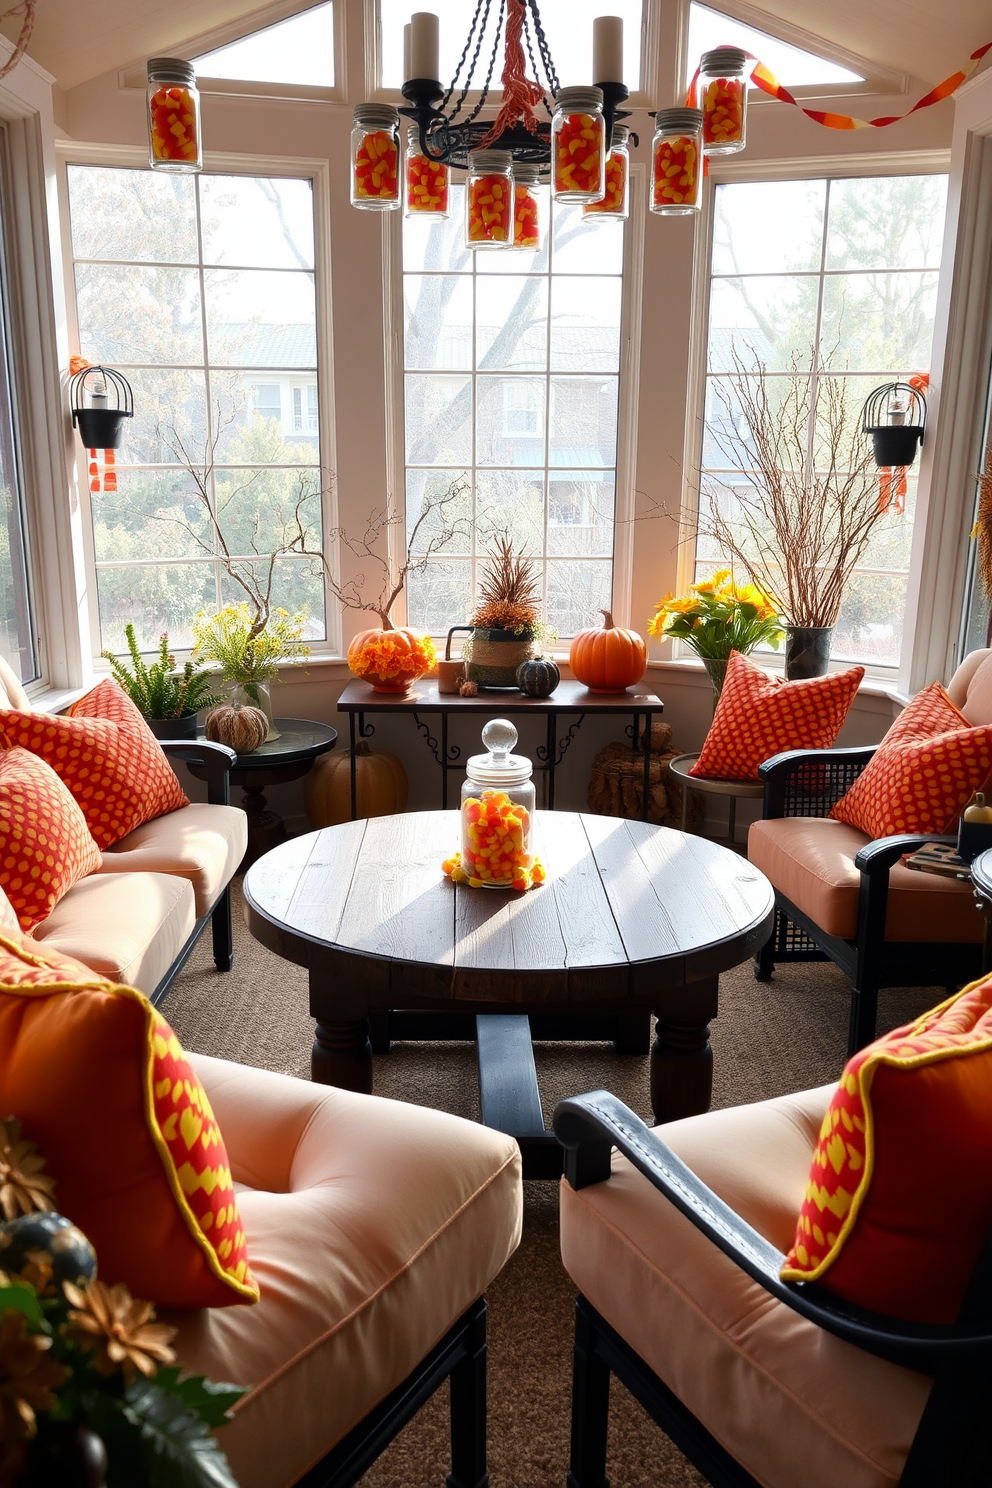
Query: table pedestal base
342,1056
266,828
681,1070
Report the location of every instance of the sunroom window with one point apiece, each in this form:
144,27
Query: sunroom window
17,633
297,50
200,290
793,66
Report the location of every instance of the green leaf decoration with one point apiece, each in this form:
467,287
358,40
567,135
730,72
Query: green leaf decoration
154,1440
211,1401
18,1297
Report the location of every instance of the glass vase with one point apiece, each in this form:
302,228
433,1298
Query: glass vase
256,695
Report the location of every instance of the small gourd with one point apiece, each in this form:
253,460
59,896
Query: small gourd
538,677
978,811
242,728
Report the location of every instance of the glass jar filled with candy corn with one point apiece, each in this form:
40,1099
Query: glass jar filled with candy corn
578,146
498,799
427,180
375,157
489,199
723,99
614,203
528,214
173,116
677,161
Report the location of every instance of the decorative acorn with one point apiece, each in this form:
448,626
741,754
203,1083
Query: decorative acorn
538,677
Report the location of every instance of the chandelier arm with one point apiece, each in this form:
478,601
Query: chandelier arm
481,8
542,41
492,66
529,43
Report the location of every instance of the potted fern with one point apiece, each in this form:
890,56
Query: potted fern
167,697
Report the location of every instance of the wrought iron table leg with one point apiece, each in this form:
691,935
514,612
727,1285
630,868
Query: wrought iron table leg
552,751
444,761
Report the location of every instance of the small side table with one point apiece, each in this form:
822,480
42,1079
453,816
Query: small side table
287,758
745,790
981,882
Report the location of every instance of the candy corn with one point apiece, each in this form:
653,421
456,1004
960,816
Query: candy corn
495,845
426,185
676,171
723,112
489,209
615,200
173,124
376,166
526,223
578,149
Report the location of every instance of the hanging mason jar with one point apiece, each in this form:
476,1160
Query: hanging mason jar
528,226
614,203
489,199
427,180
375,157
173,116
676,162
497,811
578,145
723,98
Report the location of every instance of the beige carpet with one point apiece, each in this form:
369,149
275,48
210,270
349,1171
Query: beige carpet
770,1038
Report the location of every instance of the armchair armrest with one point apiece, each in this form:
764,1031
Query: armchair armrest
589,1126
876,858
217,759
807,782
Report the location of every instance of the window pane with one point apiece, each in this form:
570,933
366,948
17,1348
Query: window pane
438,420
439,596
154,514
437,500
132,214
585,325
892,222
168,402
510,421
440,246
875,321
258,319
767,320
576,594
257,220
297,50
512,501
132,314
438,322
260,510
580,514
297,585
583,421
156,597
871,619
583,245
17,638
511,323
768,227
793,66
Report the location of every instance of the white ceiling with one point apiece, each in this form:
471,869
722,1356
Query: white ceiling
77,41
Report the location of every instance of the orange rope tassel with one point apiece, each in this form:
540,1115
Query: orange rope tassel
520,95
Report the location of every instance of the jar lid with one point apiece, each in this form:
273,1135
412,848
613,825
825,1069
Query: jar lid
499,767
723,59
679,120
525,174
170,70
621,135
376,115
489,160
582,98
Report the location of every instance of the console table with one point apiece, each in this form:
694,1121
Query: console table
359,698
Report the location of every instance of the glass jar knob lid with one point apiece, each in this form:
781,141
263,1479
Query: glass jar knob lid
499,737
500,767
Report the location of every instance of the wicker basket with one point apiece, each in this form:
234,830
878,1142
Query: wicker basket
496,654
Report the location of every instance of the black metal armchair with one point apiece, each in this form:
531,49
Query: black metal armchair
874,1420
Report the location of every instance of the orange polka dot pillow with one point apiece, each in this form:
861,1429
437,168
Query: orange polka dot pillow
759,715
923,773
45,844
898,1206
108,757
99,1080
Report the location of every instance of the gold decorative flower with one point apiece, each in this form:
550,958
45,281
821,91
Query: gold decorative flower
121,1329
24,1188
28,1378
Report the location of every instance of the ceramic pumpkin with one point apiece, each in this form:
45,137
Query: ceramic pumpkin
538,677
241,728
609,659
380,786
391,659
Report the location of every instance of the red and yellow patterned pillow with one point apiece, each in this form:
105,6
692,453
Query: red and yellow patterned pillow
897,1206
45,844
923,773
107,756
99,1080
759,715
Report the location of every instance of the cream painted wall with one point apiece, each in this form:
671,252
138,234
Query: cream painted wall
102,111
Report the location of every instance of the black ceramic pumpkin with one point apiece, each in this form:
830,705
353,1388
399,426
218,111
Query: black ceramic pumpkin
538,677
53,1237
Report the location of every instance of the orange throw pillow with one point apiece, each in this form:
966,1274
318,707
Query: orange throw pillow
45,844
924,772
99,1080
897,1208
759,715
107,756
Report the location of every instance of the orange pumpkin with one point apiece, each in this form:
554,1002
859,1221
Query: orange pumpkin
608,660
390,658
380,786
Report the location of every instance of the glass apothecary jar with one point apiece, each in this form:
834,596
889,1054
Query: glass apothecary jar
174,142
614,203
375,157
578,145
676,162
497,812
723,97
528,214
427,181
489,199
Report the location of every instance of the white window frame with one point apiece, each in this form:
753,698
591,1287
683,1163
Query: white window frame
630,359
318,171
917,163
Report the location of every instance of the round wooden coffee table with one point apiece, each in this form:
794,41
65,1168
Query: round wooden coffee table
632,917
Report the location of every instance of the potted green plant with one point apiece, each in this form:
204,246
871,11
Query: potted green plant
248,651
168,697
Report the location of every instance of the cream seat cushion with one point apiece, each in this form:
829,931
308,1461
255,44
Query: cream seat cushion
201,843
129,928
371,1227
791,1403
811,861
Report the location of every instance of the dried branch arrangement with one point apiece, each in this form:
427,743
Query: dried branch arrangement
982,530
801,518
509,590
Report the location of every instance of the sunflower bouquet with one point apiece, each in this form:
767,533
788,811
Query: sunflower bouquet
719,616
